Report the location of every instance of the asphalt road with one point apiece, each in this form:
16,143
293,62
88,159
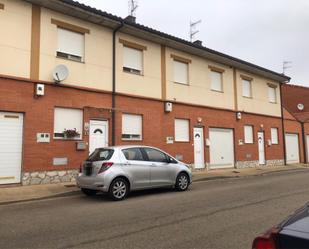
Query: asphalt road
215,214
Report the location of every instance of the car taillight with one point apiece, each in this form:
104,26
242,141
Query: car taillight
105,166
266,241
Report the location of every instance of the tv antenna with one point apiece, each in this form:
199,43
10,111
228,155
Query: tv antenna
286,65
193,30
133,5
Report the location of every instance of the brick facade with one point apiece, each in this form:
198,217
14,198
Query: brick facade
18,96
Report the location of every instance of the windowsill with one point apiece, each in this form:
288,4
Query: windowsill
218,91
179,83
248,143
138,74
182,141
248,97
67,59
273,103
132,140
67,139
274,144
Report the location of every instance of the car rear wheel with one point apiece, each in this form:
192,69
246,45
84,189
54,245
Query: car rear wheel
182,182
119,189
89,192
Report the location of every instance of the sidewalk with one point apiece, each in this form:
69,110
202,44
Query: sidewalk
36,192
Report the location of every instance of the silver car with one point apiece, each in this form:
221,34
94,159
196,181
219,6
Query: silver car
121,169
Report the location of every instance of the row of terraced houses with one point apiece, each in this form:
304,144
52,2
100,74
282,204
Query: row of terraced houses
74,78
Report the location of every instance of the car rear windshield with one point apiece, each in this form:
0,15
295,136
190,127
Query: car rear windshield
101,155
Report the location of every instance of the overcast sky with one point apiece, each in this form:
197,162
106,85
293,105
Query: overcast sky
264,32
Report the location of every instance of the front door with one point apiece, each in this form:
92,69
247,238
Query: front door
261,148
98,135
199,161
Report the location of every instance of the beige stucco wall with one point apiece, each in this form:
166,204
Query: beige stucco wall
199,89
148,84
259,102
15,41
96,71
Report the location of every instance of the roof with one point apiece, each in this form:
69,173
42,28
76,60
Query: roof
82,11
292,95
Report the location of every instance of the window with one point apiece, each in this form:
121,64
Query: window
133,154
181,72
248,134
71,45
131,127
216,81
272,94
132,60
101,155
155,155
246,88
181,130
274,135
68,123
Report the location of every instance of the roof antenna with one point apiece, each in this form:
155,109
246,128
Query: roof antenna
286,65
133,5
193,30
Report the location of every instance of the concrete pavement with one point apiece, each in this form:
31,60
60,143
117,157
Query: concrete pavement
12,194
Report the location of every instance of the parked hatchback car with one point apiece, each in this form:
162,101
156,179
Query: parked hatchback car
121,169
292,233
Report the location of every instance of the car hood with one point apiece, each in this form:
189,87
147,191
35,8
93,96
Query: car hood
298,224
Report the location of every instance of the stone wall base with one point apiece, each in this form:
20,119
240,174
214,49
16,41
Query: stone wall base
48,177
253,164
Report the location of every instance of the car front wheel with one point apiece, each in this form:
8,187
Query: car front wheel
119,189
182,182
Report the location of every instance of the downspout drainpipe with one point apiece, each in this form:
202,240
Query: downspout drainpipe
114,86
304,141
282,123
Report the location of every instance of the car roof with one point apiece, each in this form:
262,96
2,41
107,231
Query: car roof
121,147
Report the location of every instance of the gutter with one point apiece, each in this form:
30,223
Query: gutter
304,141
282,124
114,86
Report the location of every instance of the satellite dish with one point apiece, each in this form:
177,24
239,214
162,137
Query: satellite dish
60,73
300,107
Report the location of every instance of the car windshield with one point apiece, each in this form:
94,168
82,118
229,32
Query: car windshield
101,155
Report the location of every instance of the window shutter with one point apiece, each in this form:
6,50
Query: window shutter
132,125
68,119
180,72
272,94
246,88
274,135
248,134
182,130
72,43
216,81
133,58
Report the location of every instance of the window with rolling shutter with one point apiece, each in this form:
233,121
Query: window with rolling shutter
274,136
181,72
71,45
182,130
246,88
132,60
66,119
272,94
131,127
248,134
216,81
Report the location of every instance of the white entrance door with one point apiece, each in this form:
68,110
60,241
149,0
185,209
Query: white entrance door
292,148
11,138
221,148
98,135
199,162
261,146
308,148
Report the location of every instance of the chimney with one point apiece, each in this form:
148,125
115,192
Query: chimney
130,19
198,43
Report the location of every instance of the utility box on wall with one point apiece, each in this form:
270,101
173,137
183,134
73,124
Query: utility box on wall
43,137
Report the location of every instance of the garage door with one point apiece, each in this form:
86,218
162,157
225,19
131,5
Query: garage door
221,148
292,148
11,133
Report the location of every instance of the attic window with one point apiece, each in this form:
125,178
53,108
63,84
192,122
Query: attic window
1,6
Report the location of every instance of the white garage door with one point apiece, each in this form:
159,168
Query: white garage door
221,148
11,133
292,148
